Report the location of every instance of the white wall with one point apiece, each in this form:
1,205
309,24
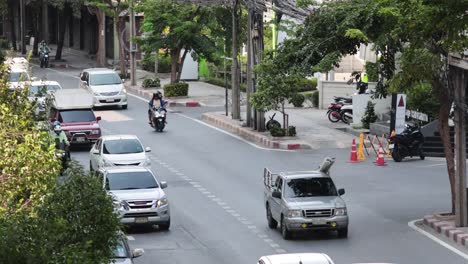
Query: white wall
190,69
382,106
328,89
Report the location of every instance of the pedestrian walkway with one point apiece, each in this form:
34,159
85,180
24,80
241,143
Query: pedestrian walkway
444,225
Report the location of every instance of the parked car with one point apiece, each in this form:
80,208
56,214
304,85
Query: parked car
123,254
38,91
304,200
73,108
304,258
138,195
118,150
106,87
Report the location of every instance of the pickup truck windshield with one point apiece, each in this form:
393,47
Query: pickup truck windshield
309,187
72,116
104,79
130,181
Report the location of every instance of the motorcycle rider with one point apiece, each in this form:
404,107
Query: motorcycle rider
59,137
43,49
156,102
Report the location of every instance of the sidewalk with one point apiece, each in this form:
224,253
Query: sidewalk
71,58
444,225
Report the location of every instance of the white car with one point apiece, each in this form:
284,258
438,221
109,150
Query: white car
118,150
38,91
106,87
304,258
18,78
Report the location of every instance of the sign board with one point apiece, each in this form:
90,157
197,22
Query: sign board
133,47
417,115
397,123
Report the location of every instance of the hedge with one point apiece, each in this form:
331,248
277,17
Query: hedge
306,85
151,82
177,89
164,65
315,98
297,100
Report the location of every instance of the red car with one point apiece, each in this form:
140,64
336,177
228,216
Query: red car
73,108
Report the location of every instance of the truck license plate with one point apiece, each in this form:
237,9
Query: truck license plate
141,220
80,139
110,100
391,146
319,221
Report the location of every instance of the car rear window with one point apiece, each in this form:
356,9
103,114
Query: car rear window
309,187
104,79
122,146
71,116
130,181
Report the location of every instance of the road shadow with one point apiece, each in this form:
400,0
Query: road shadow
144,229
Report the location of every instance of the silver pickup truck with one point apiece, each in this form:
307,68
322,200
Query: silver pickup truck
304,200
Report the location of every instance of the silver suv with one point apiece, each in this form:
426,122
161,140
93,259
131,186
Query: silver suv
137,195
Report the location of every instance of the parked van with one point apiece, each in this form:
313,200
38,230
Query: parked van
73,108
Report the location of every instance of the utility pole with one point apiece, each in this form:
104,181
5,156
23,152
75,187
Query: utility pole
459,78
132,45
22,26
249,63
235,71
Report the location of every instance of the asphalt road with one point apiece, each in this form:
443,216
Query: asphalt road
216,195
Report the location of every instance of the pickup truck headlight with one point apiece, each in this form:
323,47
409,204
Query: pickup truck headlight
294,213
340,211
95,132
162,202
120,205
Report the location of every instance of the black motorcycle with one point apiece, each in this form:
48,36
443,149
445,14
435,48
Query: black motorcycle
407,144
158,118
63,153
45,60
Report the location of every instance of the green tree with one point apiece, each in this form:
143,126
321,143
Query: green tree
274,88
178,27
369,116
75,223
114,9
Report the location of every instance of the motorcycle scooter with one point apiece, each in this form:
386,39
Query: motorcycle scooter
409,143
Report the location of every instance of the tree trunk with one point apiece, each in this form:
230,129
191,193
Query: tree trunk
64,15
175,55
36,22
234,71
156,62
181,65
101,52
444,131
122,62
13,32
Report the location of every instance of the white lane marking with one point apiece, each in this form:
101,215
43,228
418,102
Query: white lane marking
262,236
130,238
268,240
232,135
251,227
437,240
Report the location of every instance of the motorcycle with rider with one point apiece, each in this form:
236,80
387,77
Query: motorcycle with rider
44,51
62,145
157,112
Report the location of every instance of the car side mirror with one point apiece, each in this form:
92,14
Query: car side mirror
276,194
341,191
123,80
138,252
147,149
98,118
163,185
95,151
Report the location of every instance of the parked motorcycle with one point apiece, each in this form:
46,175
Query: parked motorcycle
45,60
347,113
409,143
272,122
158,118
334,109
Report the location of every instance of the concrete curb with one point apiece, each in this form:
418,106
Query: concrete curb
148,95
252,135
448,229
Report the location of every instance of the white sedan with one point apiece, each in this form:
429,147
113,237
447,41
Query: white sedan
118,150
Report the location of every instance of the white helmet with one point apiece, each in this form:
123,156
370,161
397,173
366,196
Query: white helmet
58,129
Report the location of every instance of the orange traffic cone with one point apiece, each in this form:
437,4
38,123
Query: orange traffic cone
353,158
380,157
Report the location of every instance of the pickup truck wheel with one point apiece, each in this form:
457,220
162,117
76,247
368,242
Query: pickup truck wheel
343,232
272,223
284,230
165,226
